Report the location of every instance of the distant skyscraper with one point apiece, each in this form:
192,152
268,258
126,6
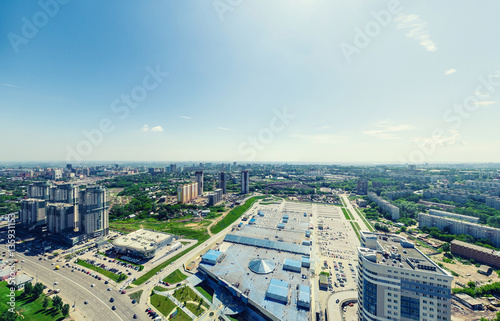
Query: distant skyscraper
173,168
245,182
223,182
199,179
362,186
56,174
33,212
60,218
94,211
187,192
215,197
39,190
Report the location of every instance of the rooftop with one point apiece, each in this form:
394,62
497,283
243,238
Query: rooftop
475,247
142,240
396,251
234,270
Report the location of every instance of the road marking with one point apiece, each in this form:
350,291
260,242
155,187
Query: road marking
60,275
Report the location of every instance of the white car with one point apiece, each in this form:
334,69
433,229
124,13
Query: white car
92,285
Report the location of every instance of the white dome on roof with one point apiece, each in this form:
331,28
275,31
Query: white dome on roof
261,266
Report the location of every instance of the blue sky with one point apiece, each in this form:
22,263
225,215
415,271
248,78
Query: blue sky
233,66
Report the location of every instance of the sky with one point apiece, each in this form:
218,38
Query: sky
250,81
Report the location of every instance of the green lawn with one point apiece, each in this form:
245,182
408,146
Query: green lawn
166,306
175,277
355,228
185,293
368,225
31,310
195,309
233,215
345,214
163,304
111,275
136,295
160,288
207,291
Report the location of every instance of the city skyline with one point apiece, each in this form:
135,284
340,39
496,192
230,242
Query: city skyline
323,83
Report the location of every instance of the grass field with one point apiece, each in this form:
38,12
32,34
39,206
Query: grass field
233,215
136,295
175,277
111,275
346,215
160,288
368,224
166,306
195,309
187,294
206,291
354,224
31,310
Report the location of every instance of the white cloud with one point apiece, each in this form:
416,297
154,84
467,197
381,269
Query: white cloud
223,128
417,30
324,127
157,129
485,103
185,117
387,130
452,138
8,85
450,71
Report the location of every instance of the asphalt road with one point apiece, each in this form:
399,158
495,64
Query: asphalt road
76,288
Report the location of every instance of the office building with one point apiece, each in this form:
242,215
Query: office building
245,182
362,187
223,182
199,179
94,211
60,218
33,213
173,168
187,192
396,281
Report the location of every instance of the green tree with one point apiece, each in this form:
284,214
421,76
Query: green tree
28,289
57,303
471,284
446,247
37,290
45,302
65,309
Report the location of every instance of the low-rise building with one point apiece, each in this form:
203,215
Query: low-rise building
478,253
143,243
